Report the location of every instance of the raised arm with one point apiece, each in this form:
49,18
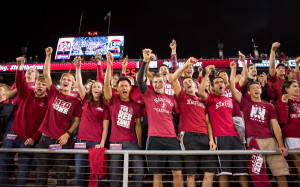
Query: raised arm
47,75
272,58
173,47
201,90
100,74
174,78
21,84
148,73
236,94
107,86
244,79
124,66
80,87
140,79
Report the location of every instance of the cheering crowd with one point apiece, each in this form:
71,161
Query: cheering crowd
168,110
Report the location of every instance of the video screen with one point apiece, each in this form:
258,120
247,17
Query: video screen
79,46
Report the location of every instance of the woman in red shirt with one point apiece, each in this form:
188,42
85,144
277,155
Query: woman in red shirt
288,109
93,126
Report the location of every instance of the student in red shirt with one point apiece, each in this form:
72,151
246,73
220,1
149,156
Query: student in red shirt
24,132
62,107
6,107
220,108
288,109
276,75
93,126
126,119
257,114
194,126
237,115
161,132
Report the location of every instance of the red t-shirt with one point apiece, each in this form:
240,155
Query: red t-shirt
257,116
192,113
160,109
289,120
91,125
31,110
236,107
276,82
220,113
61,109
123,115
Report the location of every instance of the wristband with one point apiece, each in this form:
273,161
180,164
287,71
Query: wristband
69,133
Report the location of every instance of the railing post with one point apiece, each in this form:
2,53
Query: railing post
125,169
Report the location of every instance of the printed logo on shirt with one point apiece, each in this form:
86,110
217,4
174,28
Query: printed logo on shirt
196,103
228,93
296,108
99,109
62,106
258,113
42,104
223,104
169,89
124,116
163,102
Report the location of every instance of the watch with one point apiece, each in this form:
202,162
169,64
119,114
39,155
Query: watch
69,133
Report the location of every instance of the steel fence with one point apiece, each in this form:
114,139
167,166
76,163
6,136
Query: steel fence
127,175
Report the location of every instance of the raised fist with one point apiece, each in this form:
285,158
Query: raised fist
20,60
109,58
275,45
48,51
232,64
77,61
209,68
297,60
147,55
173,44
192,61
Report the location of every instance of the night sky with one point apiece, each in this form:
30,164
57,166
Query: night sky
196,25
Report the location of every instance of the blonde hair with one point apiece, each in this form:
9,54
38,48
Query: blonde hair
5,87
35,71
69,75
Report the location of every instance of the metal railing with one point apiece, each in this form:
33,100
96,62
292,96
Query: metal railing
127,153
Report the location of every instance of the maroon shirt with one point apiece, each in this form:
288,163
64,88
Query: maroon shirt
289,120
123,115
276,82
61,109
192,113
257,116
31,110
91,125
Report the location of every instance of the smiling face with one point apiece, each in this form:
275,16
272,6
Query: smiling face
158,84
189,86
66,82
254,90
124,89
96,90
293,89
163,70
219,86
188,72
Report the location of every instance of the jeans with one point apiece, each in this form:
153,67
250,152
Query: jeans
81,166
25,161
61,163
136,162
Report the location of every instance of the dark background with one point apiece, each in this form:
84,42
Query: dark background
196,25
